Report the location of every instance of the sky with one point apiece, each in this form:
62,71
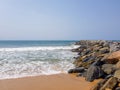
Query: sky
59,19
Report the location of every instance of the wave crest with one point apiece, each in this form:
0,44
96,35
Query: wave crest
40,48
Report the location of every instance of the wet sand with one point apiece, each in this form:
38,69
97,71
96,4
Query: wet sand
47,82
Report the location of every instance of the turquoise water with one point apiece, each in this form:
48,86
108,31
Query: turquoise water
29,58
26,43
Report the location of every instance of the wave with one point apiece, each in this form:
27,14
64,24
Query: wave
40,48
34,61
33,69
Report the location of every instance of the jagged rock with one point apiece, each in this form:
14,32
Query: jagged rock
108,68
76,70
98,57
93,72
117,74
110,84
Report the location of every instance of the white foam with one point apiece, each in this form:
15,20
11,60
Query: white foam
34,69
34,61
40,48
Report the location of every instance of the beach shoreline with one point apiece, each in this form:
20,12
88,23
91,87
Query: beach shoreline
47,82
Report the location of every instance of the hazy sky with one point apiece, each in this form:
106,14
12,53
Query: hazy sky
59,19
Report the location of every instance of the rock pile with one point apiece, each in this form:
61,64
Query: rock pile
98,59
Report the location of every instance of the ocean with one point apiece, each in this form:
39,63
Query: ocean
33,58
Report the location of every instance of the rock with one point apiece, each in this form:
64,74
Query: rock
86,59
118,85
117,74
118,88
87,64
99,85
108,68
79,74
93,72
97,63
114,46
78,62
110,84
119,80
87,51
82,74
76,70
106,44
108,76
113,58
76,50
117,66
104,50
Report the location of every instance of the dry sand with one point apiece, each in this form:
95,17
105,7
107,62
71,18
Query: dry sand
47,82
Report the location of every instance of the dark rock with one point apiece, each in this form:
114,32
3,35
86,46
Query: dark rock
118,88
108,76
118,80
79,74
76,70
110,84
82,74
93,72
108,68
87,64
76,50
87,51
97,63
83,46
87,59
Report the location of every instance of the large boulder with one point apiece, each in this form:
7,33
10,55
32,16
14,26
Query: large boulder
110,84
93,72
112,58
108,68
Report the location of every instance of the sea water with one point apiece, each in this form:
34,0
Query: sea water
32,58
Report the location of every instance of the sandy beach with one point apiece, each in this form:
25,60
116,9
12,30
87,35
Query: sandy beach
47,82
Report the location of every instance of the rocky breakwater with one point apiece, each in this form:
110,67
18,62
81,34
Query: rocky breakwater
98,60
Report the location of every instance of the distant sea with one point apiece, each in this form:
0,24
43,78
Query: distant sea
32,58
